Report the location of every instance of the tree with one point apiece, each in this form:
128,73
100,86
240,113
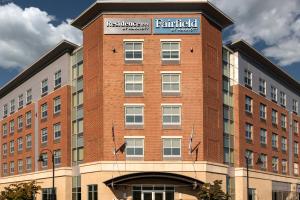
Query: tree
213,191
20,191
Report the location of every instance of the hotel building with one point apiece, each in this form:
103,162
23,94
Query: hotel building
151,106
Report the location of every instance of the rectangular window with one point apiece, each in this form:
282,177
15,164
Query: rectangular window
275,164
264,160
262,86
248,132
248,78
134,147
44,135
274,140
295,126
170,50
28,141
274,94
47,194
28,164
28,118
12,106
57,131
57,105
171,115
134,115
20,144
5,110
12,126
44,164
20,166
262,111
57,157
274,117
170,82
12,147
171,147
284,166
5,169
20,122
4,129
21,100
44,112
44,86
296,149
282,99
134,82
295,106
28,96
92,192
296,168
4,149
133,51
57,79
263,136
249,157
248,104
12,167
283,144
283,121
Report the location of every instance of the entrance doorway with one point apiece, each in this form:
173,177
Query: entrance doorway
153,192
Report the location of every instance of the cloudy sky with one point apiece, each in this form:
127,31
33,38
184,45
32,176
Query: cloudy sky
28,28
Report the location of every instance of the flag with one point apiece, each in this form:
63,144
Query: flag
191,141
121,148
113,132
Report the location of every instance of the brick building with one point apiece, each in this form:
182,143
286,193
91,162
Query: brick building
151,106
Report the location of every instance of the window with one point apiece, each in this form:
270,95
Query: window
28,141
284,166
57,131
12,106
134,147
57,157
249,157
92,192
20,122
20,144
170,51
5,169
20,166
274,116
262,86
296,149
44,135
4,129
4,149
248,78
28,118
21,100
28,96
170,83
133,51
282,99
12,126
248,129
262,111
57,79
12,146
44,164
57,105
263,136
295,126
264,160
134,114
44,88
274,140
295,106
283,121
283,144
5,110
275,164
274,93
248,104
171,147
12,167
28,164
171,115
44,112
296,168
47,194
134,83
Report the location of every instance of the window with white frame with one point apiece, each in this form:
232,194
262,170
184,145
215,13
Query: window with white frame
28,164
11,146
248,78
170,82
133,50
296,168
262,86
12,106
296,148
248,104
170,50
93,192
20,166
5,172
263,136
44,111
44,136
21,100
12,167
28,141
283,121
282,98
274,93
44,164
57,105
29,96
4,149
28,118
274,116
12,126
57,79
248,132
171,114
249,157
20,122
57,131
171,147
20,144
4,129
134,147
5,110
134,82
284,166
283,144
274,140
264,160
295,106
275,164
44,86
262,111
134,114
295,126
57,157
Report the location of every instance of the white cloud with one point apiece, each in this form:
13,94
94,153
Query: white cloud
274,22
27,33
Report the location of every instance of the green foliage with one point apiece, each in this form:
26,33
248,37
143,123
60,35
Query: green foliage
213,191
20,191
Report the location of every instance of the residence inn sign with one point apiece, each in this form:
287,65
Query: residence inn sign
115,26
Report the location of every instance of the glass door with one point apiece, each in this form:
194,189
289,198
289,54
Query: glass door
146,195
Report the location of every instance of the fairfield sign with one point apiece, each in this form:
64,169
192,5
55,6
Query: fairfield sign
176,26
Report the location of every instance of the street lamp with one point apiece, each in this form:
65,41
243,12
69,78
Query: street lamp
258,162
41,159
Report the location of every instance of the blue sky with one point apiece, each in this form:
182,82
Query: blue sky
28,28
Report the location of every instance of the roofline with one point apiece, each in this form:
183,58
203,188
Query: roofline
247,50
46,59
84,18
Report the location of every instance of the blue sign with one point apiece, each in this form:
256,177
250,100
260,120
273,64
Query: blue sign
176,26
